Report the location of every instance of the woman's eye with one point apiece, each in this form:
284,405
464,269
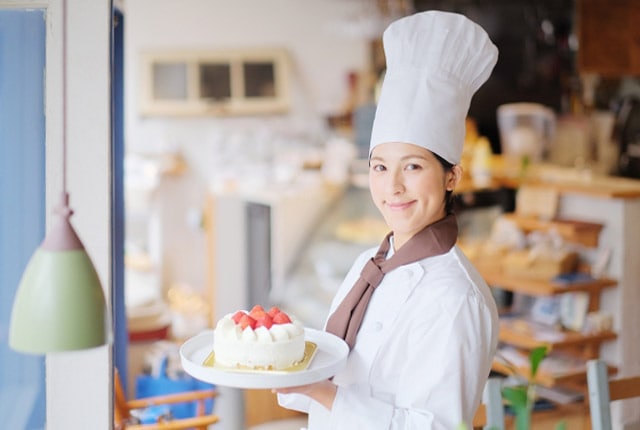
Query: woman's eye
412,166
378,168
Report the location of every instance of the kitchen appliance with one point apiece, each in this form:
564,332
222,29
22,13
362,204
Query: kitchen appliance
526,130
627,134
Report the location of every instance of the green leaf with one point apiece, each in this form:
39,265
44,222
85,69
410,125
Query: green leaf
535,358
515,396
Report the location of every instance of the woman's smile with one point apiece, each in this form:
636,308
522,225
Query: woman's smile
399,206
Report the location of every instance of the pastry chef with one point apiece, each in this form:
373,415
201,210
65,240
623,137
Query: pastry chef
420,321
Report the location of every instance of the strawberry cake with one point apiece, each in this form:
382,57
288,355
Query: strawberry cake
259,339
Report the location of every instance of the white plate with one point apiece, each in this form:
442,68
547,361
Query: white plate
330,358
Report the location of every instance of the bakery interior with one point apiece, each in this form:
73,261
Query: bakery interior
230,200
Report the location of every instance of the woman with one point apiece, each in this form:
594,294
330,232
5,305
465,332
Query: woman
420,321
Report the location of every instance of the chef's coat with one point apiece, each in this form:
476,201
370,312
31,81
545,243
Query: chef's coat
423,352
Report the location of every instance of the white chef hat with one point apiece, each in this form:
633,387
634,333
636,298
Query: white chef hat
436,61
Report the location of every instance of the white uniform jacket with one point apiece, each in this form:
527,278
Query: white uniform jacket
422,355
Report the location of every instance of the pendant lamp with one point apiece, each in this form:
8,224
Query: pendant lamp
60,304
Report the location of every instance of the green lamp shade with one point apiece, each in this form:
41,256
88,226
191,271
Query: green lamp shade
59,305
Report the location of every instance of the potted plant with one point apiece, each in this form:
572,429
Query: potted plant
521,398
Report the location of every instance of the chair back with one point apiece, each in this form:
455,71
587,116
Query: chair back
603,391
120,409
122,417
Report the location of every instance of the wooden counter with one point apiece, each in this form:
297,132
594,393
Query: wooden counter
562,179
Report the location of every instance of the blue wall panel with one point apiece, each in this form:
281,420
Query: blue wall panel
121,340
22,201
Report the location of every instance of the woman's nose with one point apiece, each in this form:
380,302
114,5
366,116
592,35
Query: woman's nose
396,183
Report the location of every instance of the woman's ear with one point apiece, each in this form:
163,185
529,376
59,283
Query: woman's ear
453,177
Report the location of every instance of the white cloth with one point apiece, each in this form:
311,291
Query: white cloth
436,61
423,352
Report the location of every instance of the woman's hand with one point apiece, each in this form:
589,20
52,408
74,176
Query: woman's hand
323,392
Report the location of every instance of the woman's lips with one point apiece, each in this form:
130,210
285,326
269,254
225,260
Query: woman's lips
399,205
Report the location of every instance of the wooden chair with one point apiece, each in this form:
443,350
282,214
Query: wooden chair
603,391
490,413
123,419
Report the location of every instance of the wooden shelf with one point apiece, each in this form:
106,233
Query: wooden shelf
580,232
546,379
575,379
543,288
519,339
574,415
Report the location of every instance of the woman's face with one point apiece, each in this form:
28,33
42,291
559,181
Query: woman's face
408,186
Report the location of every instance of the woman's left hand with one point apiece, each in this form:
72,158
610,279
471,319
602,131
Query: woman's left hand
323,392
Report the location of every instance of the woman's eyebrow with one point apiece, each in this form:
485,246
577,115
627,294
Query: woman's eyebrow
410,156
404,158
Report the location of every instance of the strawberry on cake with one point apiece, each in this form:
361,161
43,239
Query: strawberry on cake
259,339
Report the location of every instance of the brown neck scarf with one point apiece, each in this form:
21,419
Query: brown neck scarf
435,239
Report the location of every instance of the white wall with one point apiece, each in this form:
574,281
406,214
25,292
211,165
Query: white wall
79,394
321,57
322,51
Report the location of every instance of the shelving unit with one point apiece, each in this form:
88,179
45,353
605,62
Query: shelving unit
576,344
524,336
614,202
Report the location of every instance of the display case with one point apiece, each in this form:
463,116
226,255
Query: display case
350,225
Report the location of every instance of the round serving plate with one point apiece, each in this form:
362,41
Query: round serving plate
329,358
